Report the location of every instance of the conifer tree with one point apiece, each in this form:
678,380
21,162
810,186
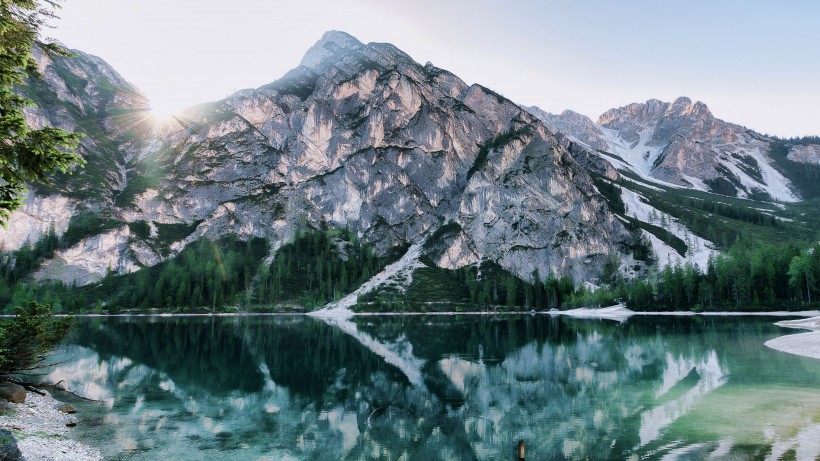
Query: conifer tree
26,155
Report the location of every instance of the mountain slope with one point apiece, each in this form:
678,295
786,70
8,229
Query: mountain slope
682,144
83,94
358,136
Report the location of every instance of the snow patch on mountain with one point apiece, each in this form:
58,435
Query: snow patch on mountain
638,155
698,250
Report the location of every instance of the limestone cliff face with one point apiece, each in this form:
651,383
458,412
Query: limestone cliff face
361,136
681,143
805,153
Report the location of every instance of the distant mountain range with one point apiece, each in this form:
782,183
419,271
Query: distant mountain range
683,144
360,136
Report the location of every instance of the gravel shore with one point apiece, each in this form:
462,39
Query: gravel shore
41,430
805,344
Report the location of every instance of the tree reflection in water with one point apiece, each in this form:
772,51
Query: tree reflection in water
461,387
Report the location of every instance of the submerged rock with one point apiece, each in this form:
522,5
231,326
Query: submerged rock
66,408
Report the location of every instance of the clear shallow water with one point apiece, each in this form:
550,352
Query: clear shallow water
441,387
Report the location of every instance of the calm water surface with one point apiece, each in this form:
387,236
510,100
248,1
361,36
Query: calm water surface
436,387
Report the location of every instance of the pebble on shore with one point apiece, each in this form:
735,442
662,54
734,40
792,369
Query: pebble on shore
41,431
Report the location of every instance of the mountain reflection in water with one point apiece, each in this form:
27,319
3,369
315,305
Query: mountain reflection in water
441,387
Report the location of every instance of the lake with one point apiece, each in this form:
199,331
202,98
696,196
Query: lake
441,387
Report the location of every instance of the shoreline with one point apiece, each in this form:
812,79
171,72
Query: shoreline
41,431
802,344
612,312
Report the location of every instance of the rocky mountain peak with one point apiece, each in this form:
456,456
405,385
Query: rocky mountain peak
577,126
684,106
634,113
682,100
581,118
332,44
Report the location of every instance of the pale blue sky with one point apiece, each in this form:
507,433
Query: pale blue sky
756,63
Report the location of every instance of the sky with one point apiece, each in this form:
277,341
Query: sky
755,63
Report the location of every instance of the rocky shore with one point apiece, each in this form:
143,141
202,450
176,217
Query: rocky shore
41,425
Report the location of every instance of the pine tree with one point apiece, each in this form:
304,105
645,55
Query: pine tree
26,155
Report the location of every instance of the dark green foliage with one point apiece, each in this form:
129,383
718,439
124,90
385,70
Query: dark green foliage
726,184
611,193
205,274
472,288
85,225
28,337
26,155
750,166
725,220
436,285
748,215
640,249
318,267
140,228
17,265
745,278
662,234
170,233
721,186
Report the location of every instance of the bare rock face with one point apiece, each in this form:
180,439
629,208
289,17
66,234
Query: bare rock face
805,153
91,259
333,43
37,216
680,143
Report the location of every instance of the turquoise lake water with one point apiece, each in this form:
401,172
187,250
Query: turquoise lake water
441,387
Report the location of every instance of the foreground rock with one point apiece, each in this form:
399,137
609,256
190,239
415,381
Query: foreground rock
13,393
41,431
8,447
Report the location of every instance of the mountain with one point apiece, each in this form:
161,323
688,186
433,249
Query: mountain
358,137
683,144
83,94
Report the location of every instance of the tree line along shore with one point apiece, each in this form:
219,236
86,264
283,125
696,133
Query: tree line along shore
322,266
